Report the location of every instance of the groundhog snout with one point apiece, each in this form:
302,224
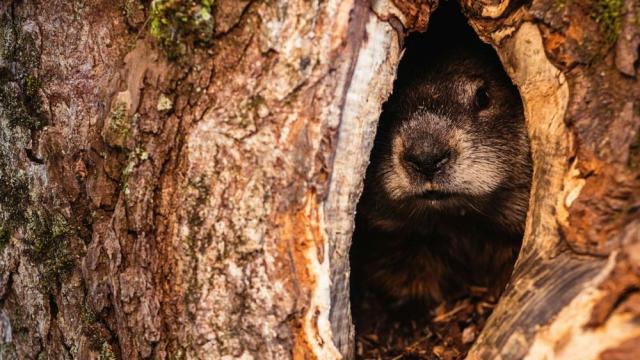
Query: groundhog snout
426,153
426,162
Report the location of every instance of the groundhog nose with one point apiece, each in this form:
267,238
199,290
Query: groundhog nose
427,164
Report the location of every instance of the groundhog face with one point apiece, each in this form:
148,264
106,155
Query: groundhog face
452,137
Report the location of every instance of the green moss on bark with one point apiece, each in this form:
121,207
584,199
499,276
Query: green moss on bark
20,99
49,248
179,354
119,127
97,334
106,352
178,25
14,193
608,13
21,104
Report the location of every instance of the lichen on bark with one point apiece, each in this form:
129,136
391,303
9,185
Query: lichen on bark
49,249
19,81
608,13
178,25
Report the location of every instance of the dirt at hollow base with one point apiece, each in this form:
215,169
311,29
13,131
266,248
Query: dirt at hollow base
444,331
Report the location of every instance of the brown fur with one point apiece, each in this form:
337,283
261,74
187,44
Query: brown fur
421,236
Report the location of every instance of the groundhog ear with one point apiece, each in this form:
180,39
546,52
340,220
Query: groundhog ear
482,99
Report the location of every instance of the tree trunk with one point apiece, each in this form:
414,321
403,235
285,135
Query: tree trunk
178,178
574,291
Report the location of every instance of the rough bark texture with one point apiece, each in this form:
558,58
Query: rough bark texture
165,170
178,178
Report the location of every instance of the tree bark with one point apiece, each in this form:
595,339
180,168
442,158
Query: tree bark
171,203
178,178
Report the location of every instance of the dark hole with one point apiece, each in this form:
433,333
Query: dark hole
53,306
441,217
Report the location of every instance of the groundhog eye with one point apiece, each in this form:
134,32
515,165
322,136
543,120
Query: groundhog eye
482,100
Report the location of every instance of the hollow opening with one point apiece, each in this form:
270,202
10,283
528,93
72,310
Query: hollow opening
441,218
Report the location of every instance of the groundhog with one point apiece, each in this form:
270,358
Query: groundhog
446,192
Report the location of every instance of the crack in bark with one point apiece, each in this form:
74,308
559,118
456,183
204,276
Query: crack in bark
237,24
